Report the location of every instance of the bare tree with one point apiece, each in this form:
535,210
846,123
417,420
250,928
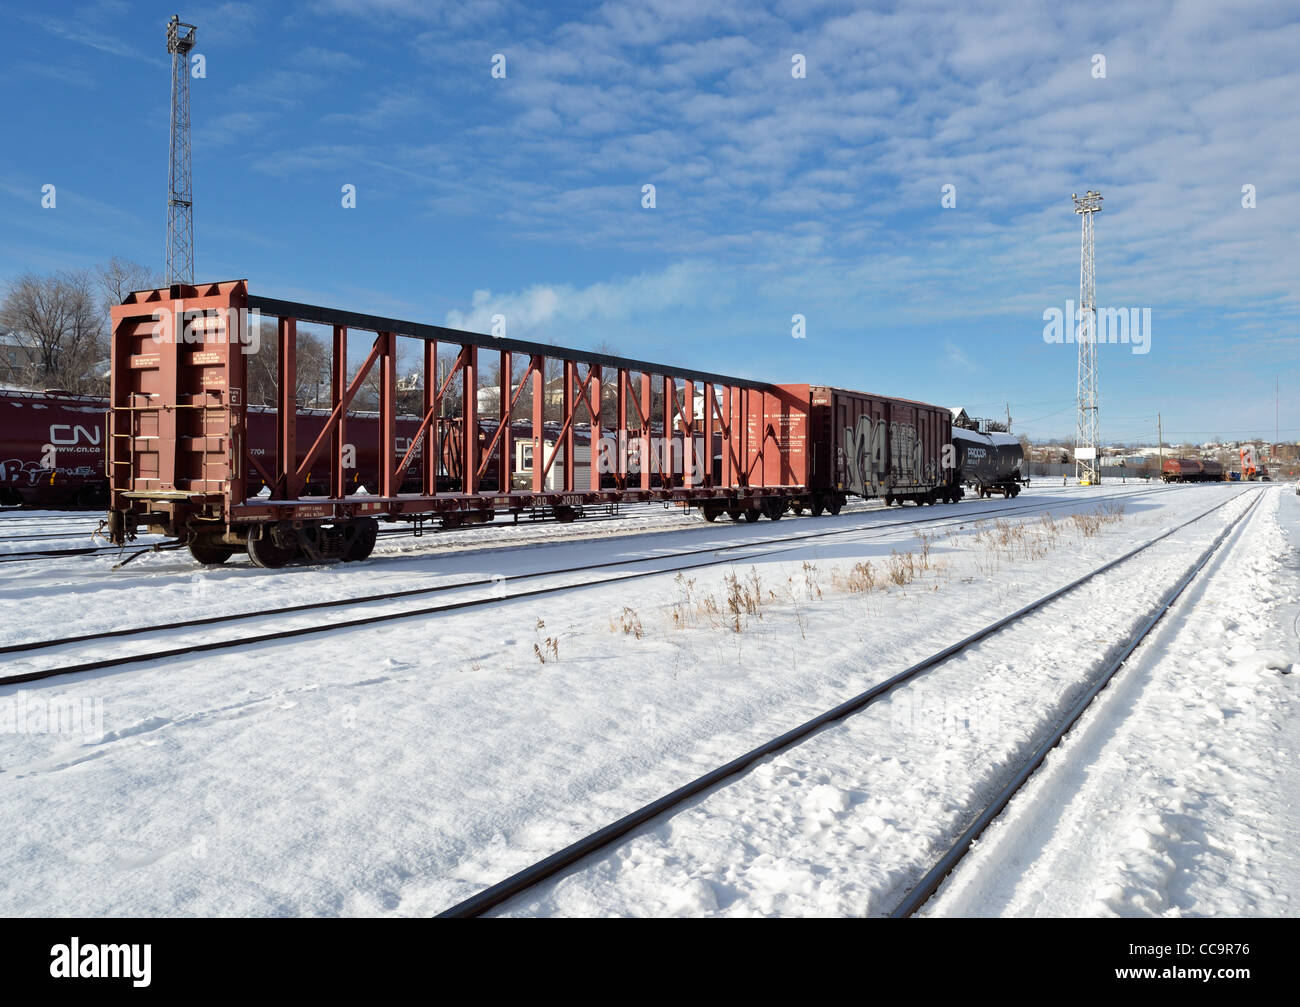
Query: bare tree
312,358
119,277
58,320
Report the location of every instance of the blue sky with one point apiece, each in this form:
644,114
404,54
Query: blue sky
774,195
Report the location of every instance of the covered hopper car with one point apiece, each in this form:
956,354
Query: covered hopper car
52,449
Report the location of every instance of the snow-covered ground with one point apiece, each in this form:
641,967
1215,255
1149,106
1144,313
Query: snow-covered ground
1176,794
399,768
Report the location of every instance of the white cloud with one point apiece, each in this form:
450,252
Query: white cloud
542,306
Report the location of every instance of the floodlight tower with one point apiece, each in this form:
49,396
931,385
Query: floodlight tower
180,206
1087,439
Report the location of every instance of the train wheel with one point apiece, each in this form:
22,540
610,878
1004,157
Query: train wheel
92,496
209,554
751,514
364,543
773,508
818,507
834,504
735,515
889,501
266,554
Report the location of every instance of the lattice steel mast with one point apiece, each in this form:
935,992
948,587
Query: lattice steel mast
1087,439
180,206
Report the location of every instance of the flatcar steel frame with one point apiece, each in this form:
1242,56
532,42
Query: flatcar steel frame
177,440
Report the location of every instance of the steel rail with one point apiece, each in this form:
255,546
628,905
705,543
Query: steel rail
15,557
49,535
933,878
106,663
544,870
285,634
88,550
884,527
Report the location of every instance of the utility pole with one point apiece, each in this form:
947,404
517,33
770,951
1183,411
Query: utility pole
1087,440
180,205
1160,435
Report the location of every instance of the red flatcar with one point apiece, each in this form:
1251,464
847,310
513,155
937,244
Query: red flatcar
627,430
362,434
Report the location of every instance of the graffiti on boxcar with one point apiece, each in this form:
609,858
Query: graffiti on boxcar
864,451
905,449
29,473
868,464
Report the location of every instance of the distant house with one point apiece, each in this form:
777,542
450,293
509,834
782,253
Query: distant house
17,360
100,370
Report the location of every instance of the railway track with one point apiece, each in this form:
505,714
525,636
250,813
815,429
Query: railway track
560,861
46,537
36,554
933,878
94,550
43,554
406,532
663,563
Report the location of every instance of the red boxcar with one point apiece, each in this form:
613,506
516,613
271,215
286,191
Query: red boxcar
873,446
